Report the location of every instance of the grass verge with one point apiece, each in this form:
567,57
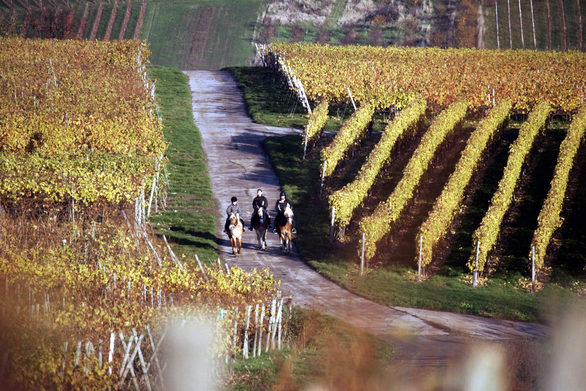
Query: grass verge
189,219
319,353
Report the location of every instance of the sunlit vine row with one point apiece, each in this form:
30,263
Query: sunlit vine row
446,205
487,233
347,199
317,120
351,131
549,217
379,223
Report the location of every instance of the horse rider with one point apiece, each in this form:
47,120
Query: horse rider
258,202
282,204
233,208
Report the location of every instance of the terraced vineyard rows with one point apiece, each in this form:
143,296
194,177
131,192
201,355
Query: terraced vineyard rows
500,84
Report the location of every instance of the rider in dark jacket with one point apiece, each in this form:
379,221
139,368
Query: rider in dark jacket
258,202
281,205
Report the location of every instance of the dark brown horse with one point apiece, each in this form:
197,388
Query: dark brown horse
284,225
260,223
235,231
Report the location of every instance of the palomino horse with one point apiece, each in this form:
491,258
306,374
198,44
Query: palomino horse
284,224
235,234
260,223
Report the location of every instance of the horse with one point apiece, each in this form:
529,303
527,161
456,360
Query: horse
260,223
284,225
235,231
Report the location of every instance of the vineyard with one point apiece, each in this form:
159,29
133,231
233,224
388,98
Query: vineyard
449,109
69,20
88,291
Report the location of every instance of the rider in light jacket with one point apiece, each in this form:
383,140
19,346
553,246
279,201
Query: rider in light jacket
233,208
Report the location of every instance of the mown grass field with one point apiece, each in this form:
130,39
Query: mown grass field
201,34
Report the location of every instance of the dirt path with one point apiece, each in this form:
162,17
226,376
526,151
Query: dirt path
238,166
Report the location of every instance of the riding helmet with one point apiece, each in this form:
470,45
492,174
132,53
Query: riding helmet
283,194
234,199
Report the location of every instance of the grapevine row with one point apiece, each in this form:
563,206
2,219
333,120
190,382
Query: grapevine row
379,223
549,217
446,206
486,234
394,75
317,120
352,129
350,196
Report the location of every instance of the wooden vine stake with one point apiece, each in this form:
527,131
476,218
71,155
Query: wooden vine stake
352,99
532,268
362,254
419,261
475,278
305,143
201,267
323,175
332,225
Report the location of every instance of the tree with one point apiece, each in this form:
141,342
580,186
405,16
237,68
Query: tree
510,29
496,17
564,31
580,31
548,24
521,25
533,24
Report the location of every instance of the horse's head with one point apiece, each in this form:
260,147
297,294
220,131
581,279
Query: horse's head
233,220
288,213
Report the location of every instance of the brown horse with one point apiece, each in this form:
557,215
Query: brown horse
235,231
284,225
260,223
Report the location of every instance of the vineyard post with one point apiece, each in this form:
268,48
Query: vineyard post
352,99
305,143
201,267
532,268
234,334
475,280
362,254
419,261
245,344
254,345
323,174
262,319
332,225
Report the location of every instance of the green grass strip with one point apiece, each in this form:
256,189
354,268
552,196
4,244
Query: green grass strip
347,199
446,206
189,218
549,217
377,225
487,232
